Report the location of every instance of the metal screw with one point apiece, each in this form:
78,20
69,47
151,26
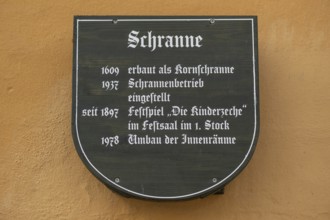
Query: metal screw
212,21
214,180
117,180
115,21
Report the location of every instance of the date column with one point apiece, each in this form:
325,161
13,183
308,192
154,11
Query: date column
109,84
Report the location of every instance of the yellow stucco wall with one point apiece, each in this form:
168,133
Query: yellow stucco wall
42,176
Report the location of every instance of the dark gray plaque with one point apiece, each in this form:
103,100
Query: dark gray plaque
165,108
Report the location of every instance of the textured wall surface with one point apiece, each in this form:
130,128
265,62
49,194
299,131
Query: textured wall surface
42,176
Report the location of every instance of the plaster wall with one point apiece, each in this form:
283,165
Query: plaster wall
42,176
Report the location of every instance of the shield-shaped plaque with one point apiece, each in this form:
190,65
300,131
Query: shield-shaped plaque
165,108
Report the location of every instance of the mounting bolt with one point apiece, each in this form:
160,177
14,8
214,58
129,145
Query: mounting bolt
117,180
212,21
115,21
214,180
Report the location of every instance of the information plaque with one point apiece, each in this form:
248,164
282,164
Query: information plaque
165,108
